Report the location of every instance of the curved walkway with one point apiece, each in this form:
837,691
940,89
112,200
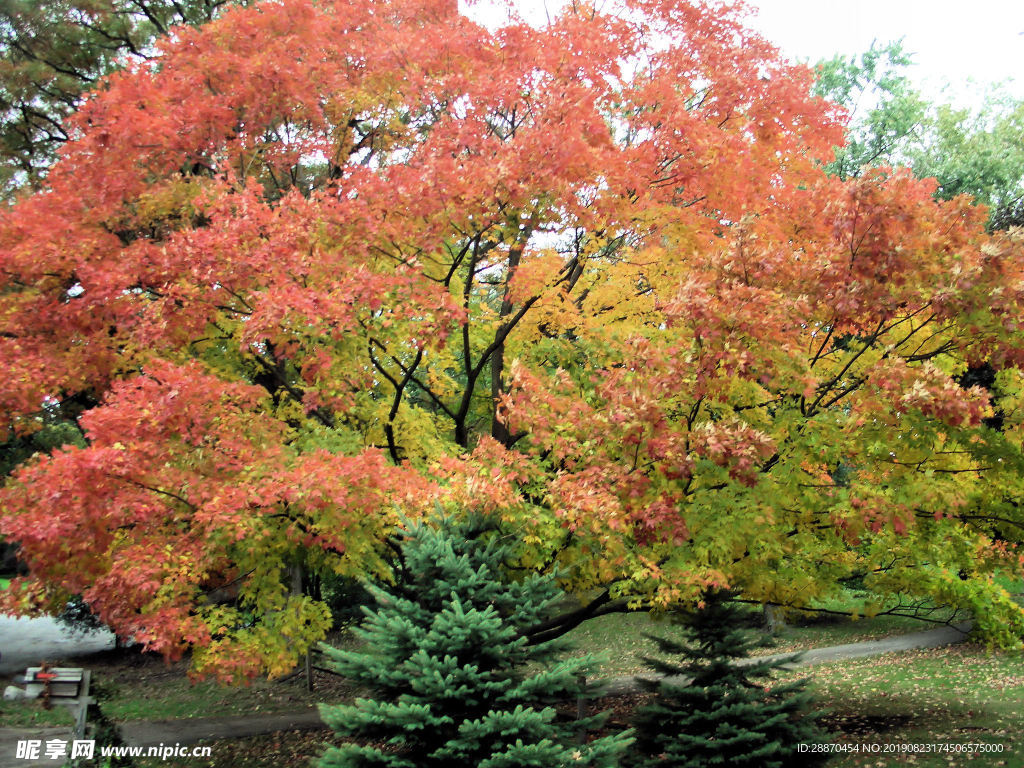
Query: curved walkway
929,638
24,642
192,730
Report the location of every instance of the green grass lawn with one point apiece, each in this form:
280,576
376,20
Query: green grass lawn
144,687
174,697
938,699
933,699
944,697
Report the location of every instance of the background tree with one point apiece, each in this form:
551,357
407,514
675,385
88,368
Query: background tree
885,114
975,151
589,278
978,152
718,706
53,52
455,678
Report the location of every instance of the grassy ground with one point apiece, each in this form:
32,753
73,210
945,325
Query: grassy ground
146,688
944,697
938,699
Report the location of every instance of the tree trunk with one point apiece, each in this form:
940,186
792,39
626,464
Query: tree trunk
774,619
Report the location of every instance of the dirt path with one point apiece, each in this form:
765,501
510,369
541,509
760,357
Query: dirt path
192,730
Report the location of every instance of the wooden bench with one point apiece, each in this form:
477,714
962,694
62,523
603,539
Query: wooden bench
66,686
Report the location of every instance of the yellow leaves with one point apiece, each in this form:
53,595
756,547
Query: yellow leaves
167,204
438,375
1009,400
289,411
274,646
616,296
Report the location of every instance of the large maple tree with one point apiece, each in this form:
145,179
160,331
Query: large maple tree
319,265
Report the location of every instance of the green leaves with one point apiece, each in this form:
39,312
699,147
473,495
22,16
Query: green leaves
978,153
974,152
885,113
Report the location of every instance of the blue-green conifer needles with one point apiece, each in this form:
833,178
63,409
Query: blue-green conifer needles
456,681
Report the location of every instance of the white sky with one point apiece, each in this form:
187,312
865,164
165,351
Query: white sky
952,42
965,44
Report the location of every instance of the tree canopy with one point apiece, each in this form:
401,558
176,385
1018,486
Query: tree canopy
319,265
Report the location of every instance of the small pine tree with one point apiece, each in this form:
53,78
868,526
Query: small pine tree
456,681
714,708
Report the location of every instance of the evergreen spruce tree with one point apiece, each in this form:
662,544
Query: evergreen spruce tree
456,681
714,708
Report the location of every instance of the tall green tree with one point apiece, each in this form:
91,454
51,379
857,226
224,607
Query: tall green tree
975,151
885,113
978,152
